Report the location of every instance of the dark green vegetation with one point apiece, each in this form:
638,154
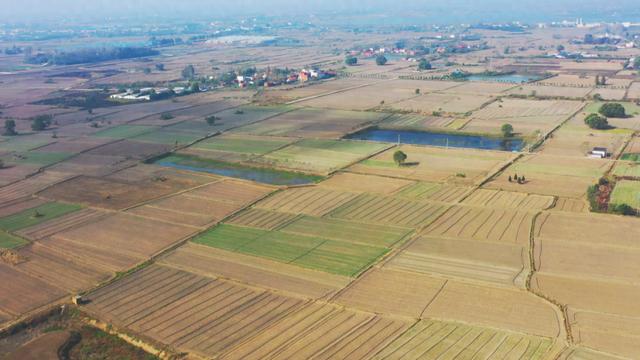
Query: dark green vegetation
399,157
381,60
613,110
313,252
8,241
631,157
506,130
424,64
95,344
264,175
351,60
41,122
596,121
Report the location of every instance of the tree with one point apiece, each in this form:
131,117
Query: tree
41,122
189,72
351,60
399,157
211,120
160,67
424,64
622,209
417,91
560,48
146,71
507,130
596,121
636,63
613,110
166,116
381,60
10,128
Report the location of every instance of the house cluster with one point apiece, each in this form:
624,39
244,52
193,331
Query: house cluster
267,80
152,93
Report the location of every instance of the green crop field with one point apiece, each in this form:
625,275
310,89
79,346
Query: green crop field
167,137
124,131
35,158
348,231
631,157
8,241
631,169
23,143
626,192
35,216
317,253
243,145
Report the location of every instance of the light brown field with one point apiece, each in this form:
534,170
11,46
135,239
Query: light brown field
306,200
117,242
435,164
293,280
365,183
505,199
443,103
20,292
545,90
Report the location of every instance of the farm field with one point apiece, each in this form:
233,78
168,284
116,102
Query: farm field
541,90
236,148
447,103
627,169
626,192
565,176
418,122
506,199
573,262
457,166
312,123
320,156
202,310
35,216
352,182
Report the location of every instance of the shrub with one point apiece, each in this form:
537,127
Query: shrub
41,122
622,209
381,60
166,116
596,121
351,60
613,110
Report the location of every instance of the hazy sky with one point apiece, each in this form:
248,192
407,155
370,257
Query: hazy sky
458,10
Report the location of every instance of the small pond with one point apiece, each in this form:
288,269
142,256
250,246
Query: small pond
439,139
258,174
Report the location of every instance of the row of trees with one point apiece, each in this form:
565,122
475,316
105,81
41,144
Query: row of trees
38,123
351,60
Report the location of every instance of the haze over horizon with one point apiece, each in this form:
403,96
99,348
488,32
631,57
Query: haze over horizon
434,11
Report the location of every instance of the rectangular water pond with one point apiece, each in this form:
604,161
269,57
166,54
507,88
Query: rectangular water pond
262,175
439,139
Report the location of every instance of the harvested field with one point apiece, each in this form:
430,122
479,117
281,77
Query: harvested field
526,116
261,219
387,210
27,187
514,310
313,123
336,257
237,147
434,192
419,122
35,216
131,149
313,89
510,200
58,270
502,264
74,145
483,224
540,90
565,176
107,244
312,200
217,318
435,164
442,103
364,183
391,291
208,261
432,339
114,194
20,292
571,205
204,205
588,229
52,227
587,354
320,156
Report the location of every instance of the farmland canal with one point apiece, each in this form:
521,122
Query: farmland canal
439,139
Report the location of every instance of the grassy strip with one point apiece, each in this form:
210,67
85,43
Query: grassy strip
8,241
